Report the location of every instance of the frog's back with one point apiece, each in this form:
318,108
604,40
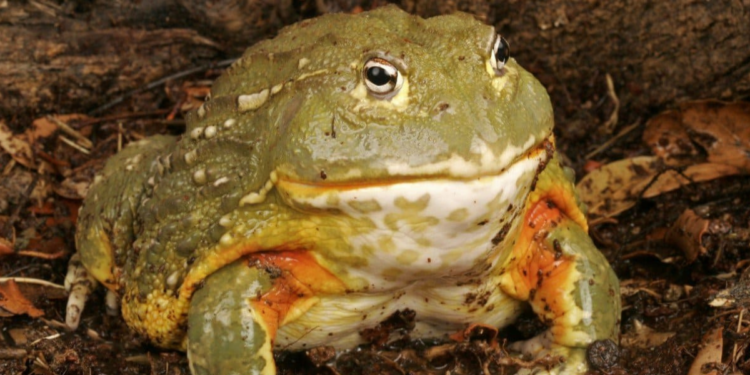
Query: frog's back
106,221
156,209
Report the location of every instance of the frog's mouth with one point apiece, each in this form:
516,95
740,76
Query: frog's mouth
295,192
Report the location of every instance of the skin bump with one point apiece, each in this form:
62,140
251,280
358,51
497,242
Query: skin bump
252,102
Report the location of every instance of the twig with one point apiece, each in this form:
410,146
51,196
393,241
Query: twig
83,141
12,353
29,280
739,329
76,146
9,167
612,140
612,121
41,255
158,83
51,337
122,116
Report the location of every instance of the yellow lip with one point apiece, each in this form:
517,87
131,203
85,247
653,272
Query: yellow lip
292,187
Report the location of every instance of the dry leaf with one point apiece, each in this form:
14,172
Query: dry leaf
687,234
631,287
722,129
40,128
616,186
194,96
18,335
671,179
16,146
14,302
710,352
737,295
642,336
8,238
72,189
668,139
6,247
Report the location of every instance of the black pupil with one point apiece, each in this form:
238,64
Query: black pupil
503,51
378,76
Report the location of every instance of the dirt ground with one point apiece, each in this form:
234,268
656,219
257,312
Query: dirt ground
668,192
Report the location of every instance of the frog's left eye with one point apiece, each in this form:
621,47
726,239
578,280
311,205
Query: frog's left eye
383,80
500,53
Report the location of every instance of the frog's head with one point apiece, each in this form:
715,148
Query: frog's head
384,96
362,108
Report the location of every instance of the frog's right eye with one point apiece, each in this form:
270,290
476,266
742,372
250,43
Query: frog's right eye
383,80
500,53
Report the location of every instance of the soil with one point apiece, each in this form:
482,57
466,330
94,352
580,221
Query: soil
135,67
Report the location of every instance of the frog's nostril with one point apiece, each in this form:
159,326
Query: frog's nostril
440,107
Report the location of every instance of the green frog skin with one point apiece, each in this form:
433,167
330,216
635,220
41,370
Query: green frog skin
351,167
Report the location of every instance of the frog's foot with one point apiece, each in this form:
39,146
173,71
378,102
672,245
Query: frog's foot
544,345
79,284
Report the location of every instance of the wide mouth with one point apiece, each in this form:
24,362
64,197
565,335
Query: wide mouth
291,187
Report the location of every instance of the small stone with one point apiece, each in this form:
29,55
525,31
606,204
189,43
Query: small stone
603,355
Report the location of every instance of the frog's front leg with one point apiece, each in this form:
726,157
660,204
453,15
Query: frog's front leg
234,316
226,333
568,282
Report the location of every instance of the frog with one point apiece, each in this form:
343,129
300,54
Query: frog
354,166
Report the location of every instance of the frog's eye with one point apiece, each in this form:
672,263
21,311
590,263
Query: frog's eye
500,53
382,79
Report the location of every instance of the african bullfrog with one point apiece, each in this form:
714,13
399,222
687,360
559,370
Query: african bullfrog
351,167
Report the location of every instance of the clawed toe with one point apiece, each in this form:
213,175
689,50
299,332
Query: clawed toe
79,284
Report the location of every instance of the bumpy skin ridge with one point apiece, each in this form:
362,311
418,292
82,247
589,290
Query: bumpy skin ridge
106,222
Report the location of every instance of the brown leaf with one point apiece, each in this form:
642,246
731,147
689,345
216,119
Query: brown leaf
671,179
722,129
668,138
16,146
8,237
710,352
46,126
13,301
6,247
642,336
616,186
72,189
687,234
40,128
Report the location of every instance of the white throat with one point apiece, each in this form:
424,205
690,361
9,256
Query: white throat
430,228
